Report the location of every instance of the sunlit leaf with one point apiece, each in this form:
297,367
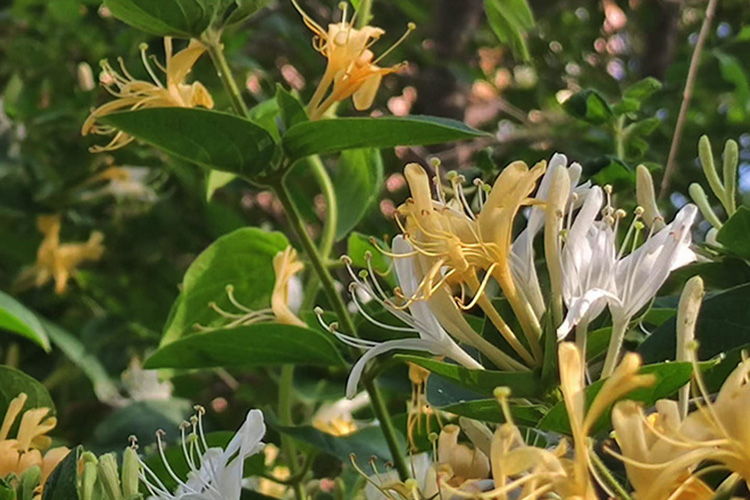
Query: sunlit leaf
16,318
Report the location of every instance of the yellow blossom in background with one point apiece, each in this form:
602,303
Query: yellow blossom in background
25,451
58,261
352,68
134,94
286,266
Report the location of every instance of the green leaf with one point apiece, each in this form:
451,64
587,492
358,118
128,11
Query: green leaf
242,259
590,106
358,181
13,382
104,388
510,20
357,247
291,110
330,136
626,106
180,18
260,344
723,325
521,384
15,318
733,72
488,410
245,9
365,443
610,170
735,233
63,482
669,378
210,139
643,89
643,128
6,491
217,180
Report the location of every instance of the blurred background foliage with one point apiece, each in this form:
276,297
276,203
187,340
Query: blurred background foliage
159,218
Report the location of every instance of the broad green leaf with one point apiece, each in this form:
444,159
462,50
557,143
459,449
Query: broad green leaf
63,482
357,247
723,325
210,139
16,318
291,110
330,136
265,114
358,181
242,259
260,344
521,384
180,18
13,382
217,180
590,106
735,233
669,378
643,128
104,388
733,72
643,89
626,106
510,20
365,443
488,410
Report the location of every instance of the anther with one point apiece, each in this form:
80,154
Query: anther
639,211
501,392
435,162
620,213
143,47
200,410
346,260
133,440
368,255
318,310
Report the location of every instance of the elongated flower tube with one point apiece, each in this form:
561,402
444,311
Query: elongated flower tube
419,318
215,473
134,94
57,261
352,69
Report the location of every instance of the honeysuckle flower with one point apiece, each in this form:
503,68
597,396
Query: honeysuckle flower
58,261
286,291
522,251
419,318
215,473
658,465
352,68
454,246
25,451
144,385
387,486
122,183
134,94
596,275
457,462
336,418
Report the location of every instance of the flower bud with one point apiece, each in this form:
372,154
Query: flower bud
88,477
29,481
709,169
109,477
699,197
730,175
687,316
130,469
644,188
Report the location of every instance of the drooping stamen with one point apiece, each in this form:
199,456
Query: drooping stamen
409,28
309,22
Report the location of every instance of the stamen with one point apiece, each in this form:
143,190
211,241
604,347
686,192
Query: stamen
409,28
143,48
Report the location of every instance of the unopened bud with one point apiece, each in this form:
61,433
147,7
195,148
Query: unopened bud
130,469
731,156
687,315
88,479
709,168
699,197
85,77
30,479
108,477
644,189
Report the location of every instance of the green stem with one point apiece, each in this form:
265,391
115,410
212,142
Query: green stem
605,472
364,13
619,327
329,286
328,237
286,386
620,137
216,50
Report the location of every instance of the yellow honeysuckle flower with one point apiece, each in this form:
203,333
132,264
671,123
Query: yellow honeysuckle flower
25,451
286,266
58,261
352,68
454,245
134,94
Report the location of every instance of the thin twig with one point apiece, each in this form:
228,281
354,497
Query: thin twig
686,97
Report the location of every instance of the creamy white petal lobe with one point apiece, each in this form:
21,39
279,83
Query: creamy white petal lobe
582,307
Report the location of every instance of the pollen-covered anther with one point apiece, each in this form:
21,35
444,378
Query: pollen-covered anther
346,260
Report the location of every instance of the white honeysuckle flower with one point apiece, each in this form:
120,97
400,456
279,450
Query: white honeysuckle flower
588,263
383,486
215,473
144,385
419,318
522,251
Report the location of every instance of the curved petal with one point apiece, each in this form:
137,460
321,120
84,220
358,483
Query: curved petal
588,306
